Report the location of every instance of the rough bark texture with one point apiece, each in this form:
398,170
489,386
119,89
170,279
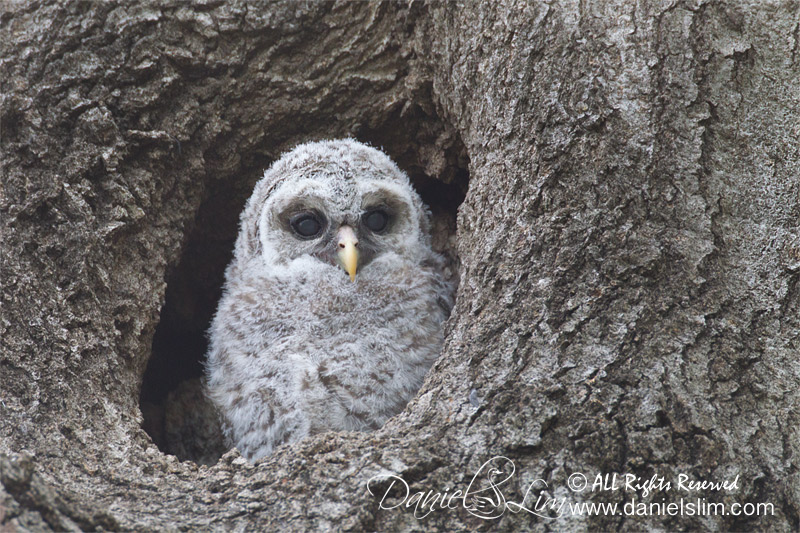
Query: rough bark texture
629,248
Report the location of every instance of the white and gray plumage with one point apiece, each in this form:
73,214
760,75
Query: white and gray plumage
333,305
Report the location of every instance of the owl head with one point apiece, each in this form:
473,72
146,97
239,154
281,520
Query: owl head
340,203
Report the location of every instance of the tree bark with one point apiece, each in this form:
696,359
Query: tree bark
629,253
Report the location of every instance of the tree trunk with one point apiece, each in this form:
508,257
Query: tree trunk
629,257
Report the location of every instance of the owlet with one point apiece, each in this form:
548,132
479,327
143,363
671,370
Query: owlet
333,305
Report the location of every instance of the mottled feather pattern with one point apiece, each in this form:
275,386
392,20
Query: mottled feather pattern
296,347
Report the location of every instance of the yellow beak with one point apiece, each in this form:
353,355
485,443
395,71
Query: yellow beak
348,251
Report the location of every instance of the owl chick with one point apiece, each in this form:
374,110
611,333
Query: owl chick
333,305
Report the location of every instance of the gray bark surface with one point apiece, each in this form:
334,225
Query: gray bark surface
629,248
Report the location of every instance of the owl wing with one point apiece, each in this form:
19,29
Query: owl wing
445,289
251,375
260,404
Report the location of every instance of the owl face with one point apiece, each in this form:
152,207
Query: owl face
343,213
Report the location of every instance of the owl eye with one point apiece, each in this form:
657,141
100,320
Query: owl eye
306,225
376,220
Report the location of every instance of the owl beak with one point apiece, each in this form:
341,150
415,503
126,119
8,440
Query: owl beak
348,251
